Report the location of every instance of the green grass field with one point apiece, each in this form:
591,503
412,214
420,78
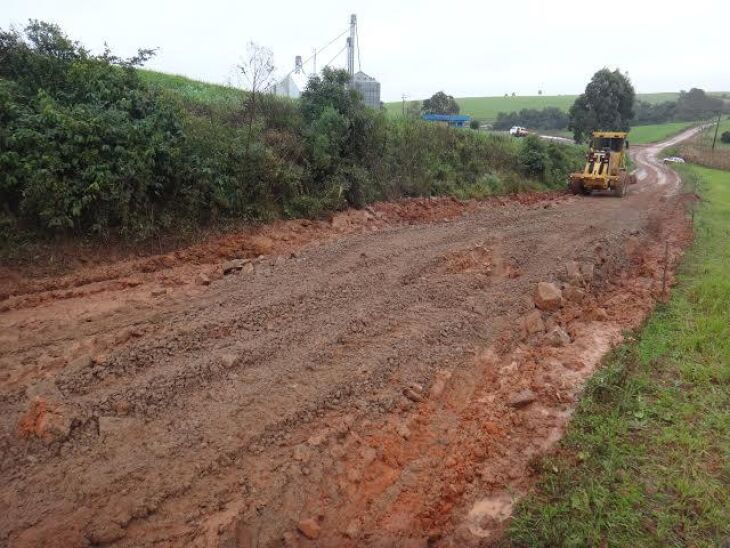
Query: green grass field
641,135
485,109
646,458
193,90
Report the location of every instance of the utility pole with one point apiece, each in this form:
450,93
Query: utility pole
404,97
315,62
717,127
351,46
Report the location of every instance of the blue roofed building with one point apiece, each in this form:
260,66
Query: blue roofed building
451,120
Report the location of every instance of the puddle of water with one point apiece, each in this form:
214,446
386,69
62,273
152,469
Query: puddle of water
488,513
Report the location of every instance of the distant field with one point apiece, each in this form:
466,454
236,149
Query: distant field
641,135
485,109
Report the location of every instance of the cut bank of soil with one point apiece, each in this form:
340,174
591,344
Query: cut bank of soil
368,381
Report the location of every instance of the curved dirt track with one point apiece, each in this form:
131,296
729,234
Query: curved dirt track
377,384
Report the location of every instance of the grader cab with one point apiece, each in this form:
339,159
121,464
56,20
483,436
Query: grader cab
605,167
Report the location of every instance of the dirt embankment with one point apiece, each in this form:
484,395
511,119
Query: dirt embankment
385,378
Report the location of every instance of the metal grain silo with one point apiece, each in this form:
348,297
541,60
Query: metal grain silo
368,87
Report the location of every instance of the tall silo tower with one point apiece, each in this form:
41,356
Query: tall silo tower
368,86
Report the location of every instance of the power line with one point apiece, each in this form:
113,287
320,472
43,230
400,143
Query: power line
336,56
320,50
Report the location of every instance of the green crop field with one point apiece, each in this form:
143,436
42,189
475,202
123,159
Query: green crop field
641,135
485,109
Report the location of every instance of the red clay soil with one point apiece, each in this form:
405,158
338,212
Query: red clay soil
380,379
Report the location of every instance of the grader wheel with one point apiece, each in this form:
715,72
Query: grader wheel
576,187
622,187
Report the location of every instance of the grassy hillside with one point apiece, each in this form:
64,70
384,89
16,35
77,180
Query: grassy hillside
640,135
645,460
193,90
485,109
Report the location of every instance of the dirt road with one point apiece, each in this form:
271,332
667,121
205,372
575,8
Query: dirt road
381,379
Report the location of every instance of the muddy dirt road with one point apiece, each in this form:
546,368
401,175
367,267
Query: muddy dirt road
382,379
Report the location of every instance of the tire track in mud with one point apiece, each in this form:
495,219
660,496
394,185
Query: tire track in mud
363,384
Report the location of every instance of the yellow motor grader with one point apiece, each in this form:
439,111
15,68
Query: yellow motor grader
605,167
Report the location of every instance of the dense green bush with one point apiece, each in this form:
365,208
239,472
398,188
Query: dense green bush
725,137
83,145
89,144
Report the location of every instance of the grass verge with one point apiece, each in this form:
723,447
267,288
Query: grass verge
641,135
646,458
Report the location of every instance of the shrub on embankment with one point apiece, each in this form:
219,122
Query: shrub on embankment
90,145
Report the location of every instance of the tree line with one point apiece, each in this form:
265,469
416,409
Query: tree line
548,118
609,102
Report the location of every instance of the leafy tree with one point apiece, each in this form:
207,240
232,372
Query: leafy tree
725,137
474,124
331,89
607,104
695,104
440,103
342,133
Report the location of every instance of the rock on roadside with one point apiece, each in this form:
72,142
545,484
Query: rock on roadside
45,419
522,398
557,337
309,528
547,296
236,265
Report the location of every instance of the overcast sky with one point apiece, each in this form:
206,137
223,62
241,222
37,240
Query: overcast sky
466,48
